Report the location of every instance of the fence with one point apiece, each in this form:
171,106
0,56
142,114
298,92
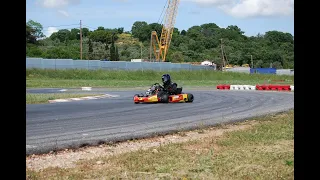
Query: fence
125,65
108,65
262,70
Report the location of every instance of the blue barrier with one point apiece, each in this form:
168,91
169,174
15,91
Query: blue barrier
263,71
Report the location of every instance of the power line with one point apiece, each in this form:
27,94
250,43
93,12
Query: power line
89,27
60,25
63,28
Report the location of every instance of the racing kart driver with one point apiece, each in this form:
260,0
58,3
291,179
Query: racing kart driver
168,85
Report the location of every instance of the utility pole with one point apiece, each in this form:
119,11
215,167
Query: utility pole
222,54
80,40
251,62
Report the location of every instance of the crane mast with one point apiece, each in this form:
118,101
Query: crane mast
160,47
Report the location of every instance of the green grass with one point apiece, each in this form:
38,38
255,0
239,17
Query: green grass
264,151
44,98
36,78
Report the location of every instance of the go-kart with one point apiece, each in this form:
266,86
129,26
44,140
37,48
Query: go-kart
157,94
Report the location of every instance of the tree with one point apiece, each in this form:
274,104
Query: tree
116,54
112,50
155,27
177,57
277,65
30,38
90,49
37,27
74,34
183,32
102,36
106,47
63,35
236,29
120,30
85,32
279,37
141,30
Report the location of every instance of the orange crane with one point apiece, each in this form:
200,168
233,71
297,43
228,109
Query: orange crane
161,47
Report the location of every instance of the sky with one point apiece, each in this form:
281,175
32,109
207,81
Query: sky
251,16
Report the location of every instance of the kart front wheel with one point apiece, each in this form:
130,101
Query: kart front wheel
190,98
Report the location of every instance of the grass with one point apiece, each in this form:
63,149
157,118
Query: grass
37,78
44,98
264,151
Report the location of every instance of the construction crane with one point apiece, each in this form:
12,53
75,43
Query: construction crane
161,47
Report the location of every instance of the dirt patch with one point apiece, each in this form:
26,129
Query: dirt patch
68,158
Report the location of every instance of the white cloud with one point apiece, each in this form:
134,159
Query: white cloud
211,2
63,13
251,8
50,31
56,3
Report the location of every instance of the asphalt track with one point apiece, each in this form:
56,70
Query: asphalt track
90,122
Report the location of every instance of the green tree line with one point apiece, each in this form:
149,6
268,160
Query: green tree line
198,43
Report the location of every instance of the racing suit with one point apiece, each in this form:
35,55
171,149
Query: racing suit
171,88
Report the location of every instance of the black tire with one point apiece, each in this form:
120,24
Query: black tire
190,97
164,97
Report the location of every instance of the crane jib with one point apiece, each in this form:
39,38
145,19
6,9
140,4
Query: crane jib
160,47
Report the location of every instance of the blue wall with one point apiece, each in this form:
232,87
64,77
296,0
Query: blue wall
263,70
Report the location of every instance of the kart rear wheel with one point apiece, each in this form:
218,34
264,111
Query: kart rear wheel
190,98
164,97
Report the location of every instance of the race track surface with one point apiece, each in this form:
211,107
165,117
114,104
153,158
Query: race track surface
90,122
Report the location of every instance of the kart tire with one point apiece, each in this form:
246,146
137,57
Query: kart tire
190,97
164,97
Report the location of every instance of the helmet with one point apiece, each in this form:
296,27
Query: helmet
166,79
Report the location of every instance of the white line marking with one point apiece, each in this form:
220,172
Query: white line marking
76,99
86,88
30,146
84,98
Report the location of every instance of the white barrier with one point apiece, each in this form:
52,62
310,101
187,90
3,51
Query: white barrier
242,87
292,88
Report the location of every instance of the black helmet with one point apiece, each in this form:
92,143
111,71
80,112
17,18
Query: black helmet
166,79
